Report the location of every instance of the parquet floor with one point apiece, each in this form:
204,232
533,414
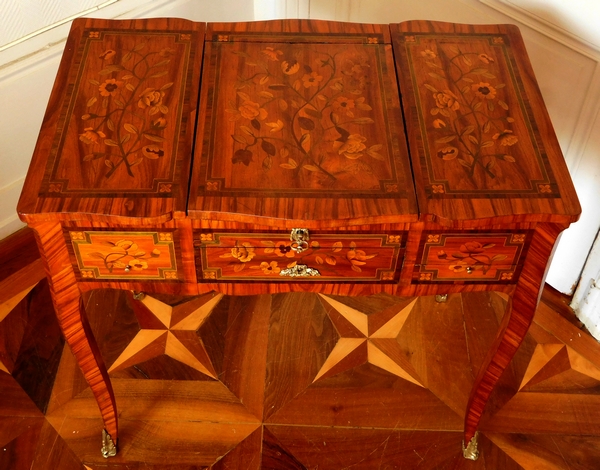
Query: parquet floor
296,381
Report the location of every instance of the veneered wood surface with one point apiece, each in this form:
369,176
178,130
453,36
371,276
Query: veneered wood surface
482,144
117,135
298,126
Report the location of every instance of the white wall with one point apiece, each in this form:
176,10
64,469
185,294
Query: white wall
561,36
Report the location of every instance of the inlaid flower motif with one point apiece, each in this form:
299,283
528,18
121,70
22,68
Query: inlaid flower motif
284,248
153,152
446,100
110,87
486,59
244,252
270,268
428,54
159,123
150,97
251,110
439,124
353,147
506,138
107,54
472,248
138,264
448,153
343,105
271,53
458,266
291,67
311,79
126,245
484,90
91,136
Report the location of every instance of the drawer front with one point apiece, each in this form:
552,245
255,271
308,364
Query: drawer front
270,257
125,255
470,257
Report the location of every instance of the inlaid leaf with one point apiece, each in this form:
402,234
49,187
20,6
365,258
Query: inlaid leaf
311,167
319,260
508,158
130,87
242,156
363,120
238,267
268,147
166,85
125,138
247,130
119,103
445,139
314,113
91,101
130,128
244,96
473,139
239,138
139,46
254,123
265,94
436,75
159,74
468,130
110,124
110,143
337,246
430,88
154,137
330,260
305,123
110,69
264,80
305,142
503,104
487,143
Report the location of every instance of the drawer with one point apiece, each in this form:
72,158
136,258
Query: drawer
100,255
348,257
470,257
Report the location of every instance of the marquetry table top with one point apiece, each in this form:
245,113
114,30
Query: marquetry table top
297,123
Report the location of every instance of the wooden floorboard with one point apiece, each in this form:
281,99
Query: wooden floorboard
294,381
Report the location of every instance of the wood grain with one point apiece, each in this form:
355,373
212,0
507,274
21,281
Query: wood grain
73,322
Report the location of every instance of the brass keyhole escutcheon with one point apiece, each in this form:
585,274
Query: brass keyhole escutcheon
299,238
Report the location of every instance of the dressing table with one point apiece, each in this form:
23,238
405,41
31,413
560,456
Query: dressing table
296,155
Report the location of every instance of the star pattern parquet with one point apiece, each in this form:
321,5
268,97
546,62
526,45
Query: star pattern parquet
294,381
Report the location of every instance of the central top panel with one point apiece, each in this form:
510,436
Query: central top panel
300,120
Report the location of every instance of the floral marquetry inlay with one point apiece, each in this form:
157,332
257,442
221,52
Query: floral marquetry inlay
124,255
473,257
300,117
121,127
246,256
478,130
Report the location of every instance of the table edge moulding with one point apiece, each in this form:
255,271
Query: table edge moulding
408,159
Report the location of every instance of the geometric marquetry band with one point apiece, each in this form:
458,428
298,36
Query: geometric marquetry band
103,255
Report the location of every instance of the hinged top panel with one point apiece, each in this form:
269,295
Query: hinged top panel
117,136
481,141
300,125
